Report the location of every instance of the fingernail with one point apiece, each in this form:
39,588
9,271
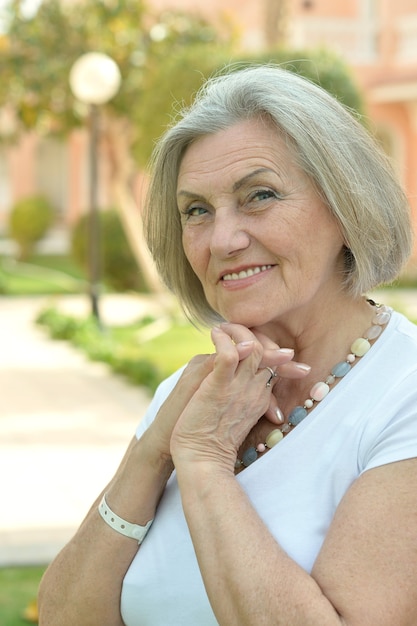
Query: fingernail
246,343
303,367
285,350
216,329
280,415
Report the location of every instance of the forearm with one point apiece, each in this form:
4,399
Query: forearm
83,584
249,579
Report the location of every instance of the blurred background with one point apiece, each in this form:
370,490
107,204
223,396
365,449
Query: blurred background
86,328
364,51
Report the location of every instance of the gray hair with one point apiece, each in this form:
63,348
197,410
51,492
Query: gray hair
348,168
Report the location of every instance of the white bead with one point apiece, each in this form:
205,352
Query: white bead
381,318
373,332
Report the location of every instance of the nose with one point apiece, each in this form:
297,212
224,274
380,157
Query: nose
228,236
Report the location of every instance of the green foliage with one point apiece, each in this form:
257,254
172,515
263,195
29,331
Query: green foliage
18,588
184,71
37,54
60,326
140,372
41,50
123,349
118,265
40,275
171,349
102,346
171,85
163,59
4,288
321,66
29,221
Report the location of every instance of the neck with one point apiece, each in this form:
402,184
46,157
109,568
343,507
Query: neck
319,338
376,318
310,330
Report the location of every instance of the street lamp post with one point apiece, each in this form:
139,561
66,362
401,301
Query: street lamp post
94,79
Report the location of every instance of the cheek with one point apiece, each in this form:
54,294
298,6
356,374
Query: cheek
194,251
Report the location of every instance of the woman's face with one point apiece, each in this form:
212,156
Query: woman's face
256,233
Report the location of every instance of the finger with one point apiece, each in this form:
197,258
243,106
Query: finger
280,357
273,412
244,349
196,370
293,369
237,332
244,338
273,357
246,344
227,356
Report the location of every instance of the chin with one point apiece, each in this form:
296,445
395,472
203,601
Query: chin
253,320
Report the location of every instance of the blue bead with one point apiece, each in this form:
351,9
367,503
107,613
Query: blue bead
249,456
341,369
297,415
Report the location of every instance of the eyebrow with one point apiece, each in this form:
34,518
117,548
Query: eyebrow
237,185
262,170
189,194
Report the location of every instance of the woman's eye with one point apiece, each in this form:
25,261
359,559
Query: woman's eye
263,194
194,211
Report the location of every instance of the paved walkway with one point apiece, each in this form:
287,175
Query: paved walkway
65,423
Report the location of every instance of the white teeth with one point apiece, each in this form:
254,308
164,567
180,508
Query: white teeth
247,273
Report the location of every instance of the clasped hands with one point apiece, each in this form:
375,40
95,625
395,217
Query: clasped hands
220,397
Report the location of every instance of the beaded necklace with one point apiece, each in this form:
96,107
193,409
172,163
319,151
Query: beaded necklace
319,390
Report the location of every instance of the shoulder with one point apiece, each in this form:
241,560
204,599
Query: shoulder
405,327
394,355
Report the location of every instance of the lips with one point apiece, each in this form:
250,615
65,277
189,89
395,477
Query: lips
257,269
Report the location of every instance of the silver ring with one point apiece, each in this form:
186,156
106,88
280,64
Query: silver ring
273,375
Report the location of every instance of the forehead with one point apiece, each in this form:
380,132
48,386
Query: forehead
247,145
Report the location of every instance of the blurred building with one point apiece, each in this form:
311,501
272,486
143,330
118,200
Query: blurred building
377,37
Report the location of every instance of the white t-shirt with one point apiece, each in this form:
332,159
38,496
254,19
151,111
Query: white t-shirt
370,419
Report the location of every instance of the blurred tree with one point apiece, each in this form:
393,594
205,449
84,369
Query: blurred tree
275,22
169,87
323,67
174,81
38,51
162,59
29,220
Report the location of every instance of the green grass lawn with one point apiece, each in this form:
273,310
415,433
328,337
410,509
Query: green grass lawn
145,352
42,274
18,587
169,350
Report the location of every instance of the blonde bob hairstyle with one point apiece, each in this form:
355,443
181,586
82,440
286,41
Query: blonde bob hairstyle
344,162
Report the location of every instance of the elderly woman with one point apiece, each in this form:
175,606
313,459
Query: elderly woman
280,472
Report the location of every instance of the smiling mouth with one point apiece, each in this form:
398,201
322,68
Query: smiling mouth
247,273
